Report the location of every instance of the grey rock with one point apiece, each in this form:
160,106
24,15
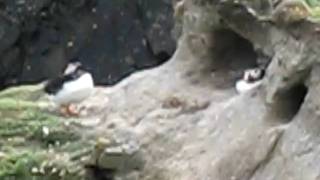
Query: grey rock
268,133
111,158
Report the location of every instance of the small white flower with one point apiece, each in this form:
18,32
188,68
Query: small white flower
42,170
34,170
67,123
2,155
54,170
45,131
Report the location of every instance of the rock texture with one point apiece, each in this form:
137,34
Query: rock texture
184,120
113,38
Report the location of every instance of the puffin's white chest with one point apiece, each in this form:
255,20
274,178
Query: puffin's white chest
243,86
75,91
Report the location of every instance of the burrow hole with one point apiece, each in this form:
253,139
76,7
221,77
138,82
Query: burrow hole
232,55
288,103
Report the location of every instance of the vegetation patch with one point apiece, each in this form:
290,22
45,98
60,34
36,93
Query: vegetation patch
35,144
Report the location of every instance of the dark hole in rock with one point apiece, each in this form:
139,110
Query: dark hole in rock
96,173
162,57
232,55
159,57
288,103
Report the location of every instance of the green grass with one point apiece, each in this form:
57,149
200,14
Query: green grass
25,147
19,165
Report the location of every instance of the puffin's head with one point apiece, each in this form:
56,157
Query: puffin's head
252,75
72,67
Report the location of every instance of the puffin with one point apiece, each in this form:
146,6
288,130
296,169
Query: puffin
73,86
251,79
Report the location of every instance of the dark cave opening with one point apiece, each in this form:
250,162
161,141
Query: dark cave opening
288,103
232,51
162,57
233,54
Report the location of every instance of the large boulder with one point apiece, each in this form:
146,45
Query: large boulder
113,38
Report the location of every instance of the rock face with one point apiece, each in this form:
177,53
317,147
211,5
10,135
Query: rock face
184,120
113,38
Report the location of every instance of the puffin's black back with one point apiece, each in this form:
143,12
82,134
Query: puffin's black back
55,85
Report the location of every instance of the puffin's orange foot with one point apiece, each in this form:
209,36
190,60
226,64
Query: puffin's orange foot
72,110
69,110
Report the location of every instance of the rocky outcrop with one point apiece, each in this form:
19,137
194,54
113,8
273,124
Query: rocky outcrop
112,38
184,119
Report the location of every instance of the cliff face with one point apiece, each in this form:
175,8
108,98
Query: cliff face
112,38
184,119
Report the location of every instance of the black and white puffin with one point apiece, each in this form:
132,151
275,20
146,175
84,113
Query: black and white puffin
74,86
251,79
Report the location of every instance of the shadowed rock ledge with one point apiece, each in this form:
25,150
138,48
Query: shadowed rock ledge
184,120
